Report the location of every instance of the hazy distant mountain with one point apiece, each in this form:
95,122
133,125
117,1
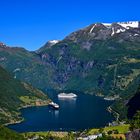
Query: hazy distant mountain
101,59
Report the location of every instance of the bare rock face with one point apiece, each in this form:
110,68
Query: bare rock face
134,135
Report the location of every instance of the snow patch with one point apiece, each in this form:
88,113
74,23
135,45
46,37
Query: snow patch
59,59
127,25
113,31
92,28
53,42
120,30
136,34
16,70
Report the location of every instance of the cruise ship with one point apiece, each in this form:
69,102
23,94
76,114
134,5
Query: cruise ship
54,105
67,95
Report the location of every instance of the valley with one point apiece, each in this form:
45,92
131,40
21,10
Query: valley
101,59
98,60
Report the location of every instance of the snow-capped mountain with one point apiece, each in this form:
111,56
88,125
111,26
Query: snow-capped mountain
103,31
130,24
127,25
48,45
53,42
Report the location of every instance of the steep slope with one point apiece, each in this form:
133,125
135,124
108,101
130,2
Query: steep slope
15,95
23,64
98,58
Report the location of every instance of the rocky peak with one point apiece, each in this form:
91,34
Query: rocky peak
102,31
48,45
53,42
96,27
2,45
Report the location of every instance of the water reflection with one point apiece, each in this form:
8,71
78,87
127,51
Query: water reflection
56,112
67,99
67,102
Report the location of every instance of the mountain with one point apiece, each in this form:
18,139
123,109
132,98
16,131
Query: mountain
101,59
15,95
48,45
23,64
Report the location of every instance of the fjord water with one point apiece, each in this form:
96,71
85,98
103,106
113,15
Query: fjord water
74,114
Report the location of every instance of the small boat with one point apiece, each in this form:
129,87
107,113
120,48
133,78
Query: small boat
67,95
54,105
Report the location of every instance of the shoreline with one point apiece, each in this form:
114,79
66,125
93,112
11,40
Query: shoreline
12,123
21,118
108,98
115,114
109,109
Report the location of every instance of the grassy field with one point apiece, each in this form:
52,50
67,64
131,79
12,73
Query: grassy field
122,129
28,99
50,135
53,134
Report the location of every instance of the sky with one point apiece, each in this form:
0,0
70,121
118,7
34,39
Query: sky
31,23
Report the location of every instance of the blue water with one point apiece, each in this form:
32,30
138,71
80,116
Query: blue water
74,114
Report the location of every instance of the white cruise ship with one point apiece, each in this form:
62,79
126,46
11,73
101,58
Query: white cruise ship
54,105
67,95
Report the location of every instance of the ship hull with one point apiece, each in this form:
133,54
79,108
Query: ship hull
53,105
68,96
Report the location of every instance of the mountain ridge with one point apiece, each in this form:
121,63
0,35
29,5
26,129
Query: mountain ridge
96,60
